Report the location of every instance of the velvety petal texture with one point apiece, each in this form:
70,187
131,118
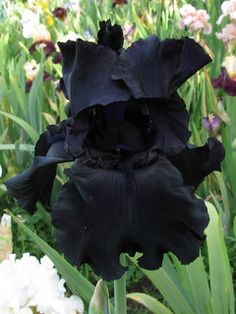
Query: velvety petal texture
195,163
131,186
95,74
101,213
36,183
152,68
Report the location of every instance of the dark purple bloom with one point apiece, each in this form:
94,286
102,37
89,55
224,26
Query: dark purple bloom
133,176
57,58
211,123
60,13
225,82
47,76
47,46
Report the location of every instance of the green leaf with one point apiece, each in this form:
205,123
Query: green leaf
195,280
171,288
21,147
99,303
29,130
149,302
220,274
186,287
77,283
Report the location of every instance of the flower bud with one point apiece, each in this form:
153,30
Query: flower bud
99,303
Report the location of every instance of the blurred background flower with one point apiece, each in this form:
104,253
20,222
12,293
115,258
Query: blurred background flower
228,8
194,20
73,5
211,123
60,13
119,2
31,69
227,79
47,46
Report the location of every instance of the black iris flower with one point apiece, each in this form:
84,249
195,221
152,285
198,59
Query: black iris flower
133,174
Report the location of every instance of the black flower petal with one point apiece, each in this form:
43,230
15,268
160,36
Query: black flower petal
110,35
195,163
36,182
68,51
171,122
152,68
101,213
77,131
87,75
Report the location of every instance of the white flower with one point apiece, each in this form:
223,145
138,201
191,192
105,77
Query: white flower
40,32
73,5
31,69
29,21
32,27
230,65
228,9
27,284
194,19
28,17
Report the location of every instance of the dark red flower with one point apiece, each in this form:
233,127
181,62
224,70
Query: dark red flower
225,82
46,77
119,2
47,46
57,58
60,13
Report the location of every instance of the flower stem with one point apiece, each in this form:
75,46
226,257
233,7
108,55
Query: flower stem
120,291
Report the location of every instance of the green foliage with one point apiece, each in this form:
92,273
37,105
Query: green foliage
188,289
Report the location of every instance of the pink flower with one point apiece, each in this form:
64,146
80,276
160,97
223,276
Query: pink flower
228,33
194,20
228,9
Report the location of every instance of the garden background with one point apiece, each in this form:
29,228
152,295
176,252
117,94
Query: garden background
30,99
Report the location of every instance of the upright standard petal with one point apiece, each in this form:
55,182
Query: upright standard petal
36,183
101,213
68,51
152,68
87,75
